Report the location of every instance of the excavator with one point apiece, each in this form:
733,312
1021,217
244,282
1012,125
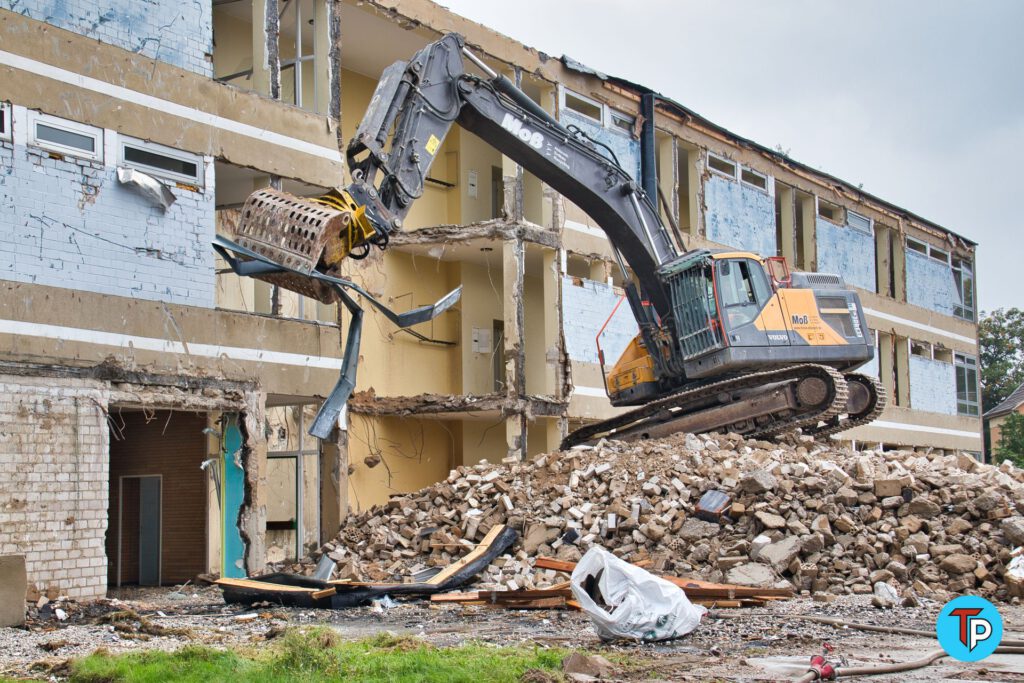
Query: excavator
728,340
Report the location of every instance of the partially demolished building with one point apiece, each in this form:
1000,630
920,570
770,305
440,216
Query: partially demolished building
154,407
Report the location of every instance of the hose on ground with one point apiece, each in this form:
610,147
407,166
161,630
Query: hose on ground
927,660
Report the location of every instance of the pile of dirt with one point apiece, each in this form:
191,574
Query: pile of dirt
826,519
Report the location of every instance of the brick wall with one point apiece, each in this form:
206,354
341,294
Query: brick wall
53,481
70,223
178,32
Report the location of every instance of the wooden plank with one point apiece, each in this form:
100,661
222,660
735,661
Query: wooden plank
451,569
455,597
536,603
512,596
552,563
263,585
325,593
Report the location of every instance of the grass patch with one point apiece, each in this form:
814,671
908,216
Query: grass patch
319,654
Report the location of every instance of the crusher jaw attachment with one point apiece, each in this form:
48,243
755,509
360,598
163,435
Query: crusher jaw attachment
299,244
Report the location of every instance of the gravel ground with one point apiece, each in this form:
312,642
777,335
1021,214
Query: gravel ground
742,645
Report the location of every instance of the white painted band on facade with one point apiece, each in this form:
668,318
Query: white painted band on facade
585,229
130,341
920,326
924,428
589,391
166,106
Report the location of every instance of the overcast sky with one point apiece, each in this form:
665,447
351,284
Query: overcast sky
921,102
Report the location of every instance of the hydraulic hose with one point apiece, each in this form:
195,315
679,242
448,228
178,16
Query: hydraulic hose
927,660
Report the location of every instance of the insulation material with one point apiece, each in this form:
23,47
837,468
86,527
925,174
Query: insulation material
626,149
930,284
739,216
932,386
586,305
847,252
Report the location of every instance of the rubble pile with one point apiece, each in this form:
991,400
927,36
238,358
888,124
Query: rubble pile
828,520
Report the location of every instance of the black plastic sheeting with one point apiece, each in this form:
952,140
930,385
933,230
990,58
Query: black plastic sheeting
358,595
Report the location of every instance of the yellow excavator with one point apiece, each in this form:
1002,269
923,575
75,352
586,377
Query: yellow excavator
728,340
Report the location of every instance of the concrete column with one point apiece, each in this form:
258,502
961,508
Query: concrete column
552,323
513,272
787,223
693,190
808,233
883,260
333,484
327,58
886,367
266,65
902,354
899,266
667,180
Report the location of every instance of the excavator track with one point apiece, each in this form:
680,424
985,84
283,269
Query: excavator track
826,400
876,404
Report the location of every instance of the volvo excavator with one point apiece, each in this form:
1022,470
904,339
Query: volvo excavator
728,340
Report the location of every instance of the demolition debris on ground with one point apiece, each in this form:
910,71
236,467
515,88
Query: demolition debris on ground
823,519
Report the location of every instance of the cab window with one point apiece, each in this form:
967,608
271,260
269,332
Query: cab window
743,289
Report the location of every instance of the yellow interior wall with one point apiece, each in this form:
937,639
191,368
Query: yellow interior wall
483,439
475,155
534,335
392,362
232,50
415,453
481,305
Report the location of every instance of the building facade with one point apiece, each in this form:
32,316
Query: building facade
155,405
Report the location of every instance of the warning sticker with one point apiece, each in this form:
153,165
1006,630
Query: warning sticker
432,144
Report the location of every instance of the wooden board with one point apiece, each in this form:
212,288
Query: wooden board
448,571
264,585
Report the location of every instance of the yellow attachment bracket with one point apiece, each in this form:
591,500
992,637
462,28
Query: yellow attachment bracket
356,228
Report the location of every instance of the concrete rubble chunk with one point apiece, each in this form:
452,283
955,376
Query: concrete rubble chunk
823,518
758,481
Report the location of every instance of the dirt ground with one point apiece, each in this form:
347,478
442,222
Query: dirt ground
759,644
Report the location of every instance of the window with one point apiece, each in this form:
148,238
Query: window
161,161
919,247
830,211
743,289
65,137
755,179
721,165
622,121
584,106
5,121
963,276
858,222
938,254
966,384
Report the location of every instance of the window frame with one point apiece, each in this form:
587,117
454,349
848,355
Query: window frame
767,189
615,117
869,230
967,364
912,243
966,309
6,122
839,220
37,117
564,93
199,179
724,160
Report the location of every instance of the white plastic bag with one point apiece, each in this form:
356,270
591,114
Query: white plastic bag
636,604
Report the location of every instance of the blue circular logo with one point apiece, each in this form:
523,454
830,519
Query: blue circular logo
969,628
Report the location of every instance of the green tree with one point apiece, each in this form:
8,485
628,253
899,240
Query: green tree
1011,439
1001,338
